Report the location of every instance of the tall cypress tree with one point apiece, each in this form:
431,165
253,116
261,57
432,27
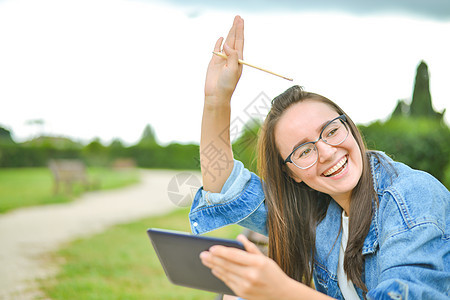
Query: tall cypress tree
421,102
148,137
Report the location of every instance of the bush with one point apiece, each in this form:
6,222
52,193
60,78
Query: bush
173,156
245,147
421,143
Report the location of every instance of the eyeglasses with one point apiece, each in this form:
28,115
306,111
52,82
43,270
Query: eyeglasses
333,133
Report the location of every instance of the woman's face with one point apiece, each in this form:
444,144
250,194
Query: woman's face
303,122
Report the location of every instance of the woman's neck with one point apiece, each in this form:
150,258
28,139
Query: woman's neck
343,201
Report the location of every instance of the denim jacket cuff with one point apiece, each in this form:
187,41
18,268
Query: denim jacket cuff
240,197
231,189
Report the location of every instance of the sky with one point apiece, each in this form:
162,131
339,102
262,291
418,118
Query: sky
104,69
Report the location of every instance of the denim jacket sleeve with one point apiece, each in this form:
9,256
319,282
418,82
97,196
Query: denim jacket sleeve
241,201
414,247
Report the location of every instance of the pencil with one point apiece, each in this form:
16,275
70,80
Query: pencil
253,66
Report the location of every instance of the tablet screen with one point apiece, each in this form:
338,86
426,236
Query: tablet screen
179,254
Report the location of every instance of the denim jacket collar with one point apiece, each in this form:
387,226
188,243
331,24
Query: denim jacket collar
371,240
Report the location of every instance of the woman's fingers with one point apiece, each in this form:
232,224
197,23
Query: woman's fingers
239,39
218,45
250,274
224,255
223,74
234,275
249,246
227,262
232,33
232,259
234,44
234,255
233,56
217,48
230,278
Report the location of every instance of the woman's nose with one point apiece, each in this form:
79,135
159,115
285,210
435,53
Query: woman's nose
325,151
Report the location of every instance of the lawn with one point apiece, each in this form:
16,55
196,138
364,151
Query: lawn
121,264
20,187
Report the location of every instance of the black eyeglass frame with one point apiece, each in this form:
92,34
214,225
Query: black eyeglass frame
342,118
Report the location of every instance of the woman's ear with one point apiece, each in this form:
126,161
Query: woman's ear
297,179
291,174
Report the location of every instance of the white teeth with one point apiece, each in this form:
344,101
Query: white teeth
336,167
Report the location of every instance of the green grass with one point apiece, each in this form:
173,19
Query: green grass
121,264
20,187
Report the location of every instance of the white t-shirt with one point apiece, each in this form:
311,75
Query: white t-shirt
346,286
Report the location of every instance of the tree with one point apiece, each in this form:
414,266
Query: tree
415,134
421,105
148,137
117,149
95,154
116,144
245,146
402,109
5,136
95,147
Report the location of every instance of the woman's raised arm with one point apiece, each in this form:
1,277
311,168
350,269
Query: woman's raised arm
216,156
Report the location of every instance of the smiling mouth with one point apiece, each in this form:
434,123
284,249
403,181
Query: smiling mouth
338,168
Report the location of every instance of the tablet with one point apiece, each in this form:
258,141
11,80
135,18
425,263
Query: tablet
179,254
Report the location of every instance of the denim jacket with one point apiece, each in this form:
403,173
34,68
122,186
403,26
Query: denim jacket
407,249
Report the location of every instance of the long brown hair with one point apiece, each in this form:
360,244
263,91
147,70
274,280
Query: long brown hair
295,210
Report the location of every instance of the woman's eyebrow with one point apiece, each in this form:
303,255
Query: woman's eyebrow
319,129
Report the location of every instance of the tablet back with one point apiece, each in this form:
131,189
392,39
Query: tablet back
179,253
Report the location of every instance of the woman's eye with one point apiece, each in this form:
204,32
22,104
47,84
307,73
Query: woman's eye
332,132
304,153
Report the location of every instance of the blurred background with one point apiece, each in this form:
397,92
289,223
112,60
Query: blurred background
109,86
102,81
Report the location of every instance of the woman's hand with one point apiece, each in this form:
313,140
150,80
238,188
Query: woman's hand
223,74
251,274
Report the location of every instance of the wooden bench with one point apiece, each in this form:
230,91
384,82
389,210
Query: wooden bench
67,172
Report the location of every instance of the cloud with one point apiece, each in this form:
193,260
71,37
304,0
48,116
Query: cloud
430,9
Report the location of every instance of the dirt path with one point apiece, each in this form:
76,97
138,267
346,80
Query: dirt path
27,235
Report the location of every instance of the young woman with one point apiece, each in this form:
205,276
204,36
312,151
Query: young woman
353,221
